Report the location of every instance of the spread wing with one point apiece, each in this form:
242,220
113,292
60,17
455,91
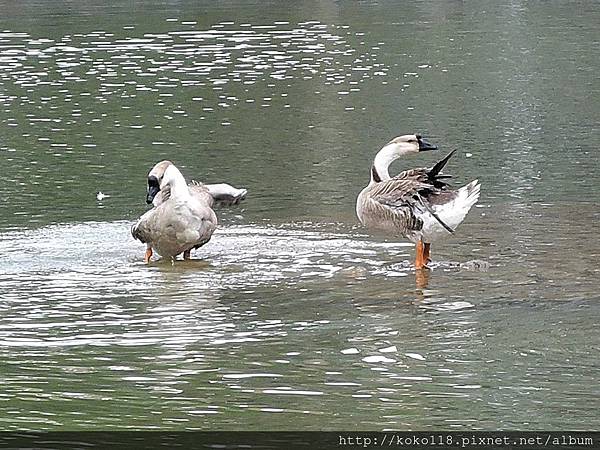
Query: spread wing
226,195
399,203
222,194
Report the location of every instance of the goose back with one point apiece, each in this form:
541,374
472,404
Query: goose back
175,226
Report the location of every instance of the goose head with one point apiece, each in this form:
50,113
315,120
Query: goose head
160,176
397,147
409,143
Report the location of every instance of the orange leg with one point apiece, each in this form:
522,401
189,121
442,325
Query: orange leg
148,255
186,254
422,279
419,261
426,253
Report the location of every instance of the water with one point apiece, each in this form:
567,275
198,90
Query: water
293,317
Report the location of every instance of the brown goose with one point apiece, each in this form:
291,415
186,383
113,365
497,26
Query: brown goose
417,203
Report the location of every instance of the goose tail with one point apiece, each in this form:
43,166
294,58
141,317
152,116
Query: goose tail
471,192
454,212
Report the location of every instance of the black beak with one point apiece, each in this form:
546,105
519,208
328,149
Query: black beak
153,189
424,145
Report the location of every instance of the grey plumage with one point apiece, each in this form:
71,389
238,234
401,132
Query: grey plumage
182,218
175,227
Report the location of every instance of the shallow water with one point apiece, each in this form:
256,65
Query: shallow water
293,317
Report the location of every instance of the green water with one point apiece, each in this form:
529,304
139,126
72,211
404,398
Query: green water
293,317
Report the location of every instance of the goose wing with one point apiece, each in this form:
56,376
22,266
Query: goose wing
225,194
394,204
201,193
148,225
400,202
431,176
222,194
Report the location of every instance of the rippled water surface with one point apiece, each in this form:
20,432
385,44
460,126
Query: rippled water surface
292,316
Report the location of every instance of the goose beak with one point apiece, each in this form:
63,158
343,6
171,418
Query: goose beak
153,189
424,145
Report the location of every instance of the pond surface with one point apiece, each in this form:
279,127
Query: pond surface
294,317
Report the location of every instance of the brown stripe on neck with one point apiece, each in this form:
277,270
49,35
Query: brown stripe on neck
375,174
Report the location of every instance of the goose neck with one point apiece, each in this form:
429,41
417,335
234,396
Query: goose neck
386,156
177,183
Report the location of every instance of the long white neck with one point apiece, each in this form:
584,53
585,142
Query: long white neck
177,183
386,156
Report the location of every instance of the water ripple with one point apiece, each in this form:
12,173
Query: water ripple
198,57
